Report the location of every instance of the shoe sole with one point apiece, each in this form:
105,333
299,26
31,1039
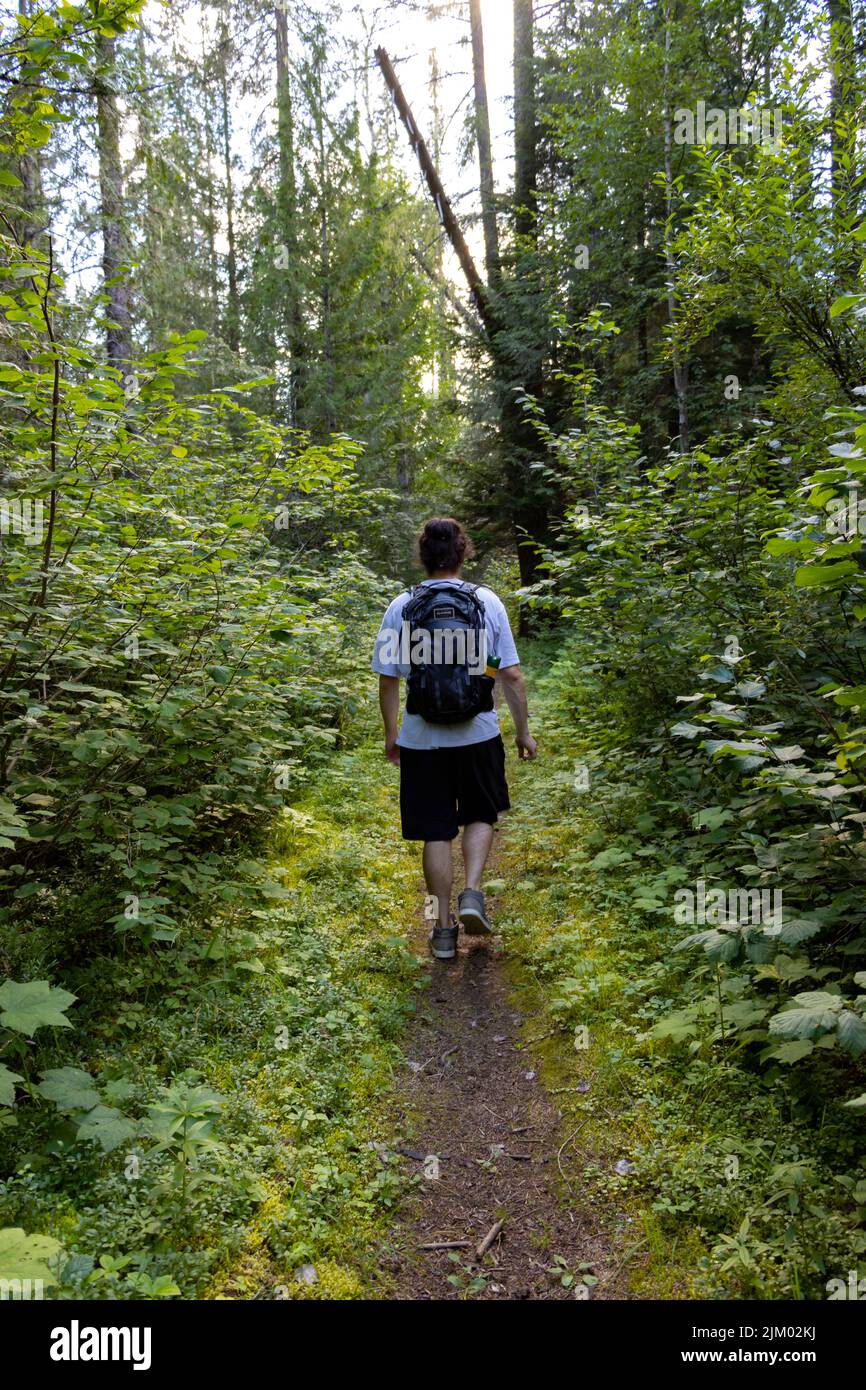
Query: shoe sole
474,924
442,955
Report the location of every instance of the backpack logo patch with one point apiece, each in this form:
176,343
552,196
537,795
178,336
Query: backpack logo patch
444,612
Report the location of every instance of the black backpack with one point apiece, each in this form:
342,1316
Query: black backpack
446,691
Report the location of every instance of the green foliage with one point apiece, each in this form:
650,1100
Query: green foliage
27,1257
186,585
683,600
467,1279
161,672
26,1007
69,1088
745,1162
182,1124
709,683
246,1105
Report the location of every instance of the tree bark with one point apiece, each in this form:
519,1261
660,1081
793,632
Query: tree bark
452,228
210,144
525,142
118,338
680,368
323,184
233,307
521,369
287,208
485,150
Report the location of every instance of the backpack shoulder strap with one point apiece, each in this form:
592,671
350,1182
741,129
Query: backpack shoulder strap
414,595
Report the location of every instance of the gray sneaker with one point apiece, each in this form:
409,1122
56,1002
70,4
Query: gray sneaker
472,913
443,941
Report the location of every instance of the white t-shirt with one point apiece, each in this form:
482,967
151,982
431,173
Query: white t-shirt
416,732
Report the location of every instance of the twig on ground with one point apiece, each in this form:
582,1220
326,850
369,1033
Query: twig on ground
494,1232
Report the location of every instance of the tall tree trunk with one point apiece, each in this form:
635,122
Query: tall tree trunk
233,308
118,340
287,207
445,369
441,202
485,150
210,145
324,187
525,136
521,367
681,380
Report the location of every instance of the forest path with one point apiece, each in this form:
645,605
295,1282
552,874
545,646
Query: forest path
488,1146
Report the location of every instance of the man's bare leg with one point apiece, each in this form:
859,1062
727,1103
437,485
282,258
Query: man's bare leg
477,840
439,876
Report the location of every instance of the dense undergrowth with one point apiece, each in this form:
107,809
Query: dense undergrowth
250,1066
722,1176
246,1068
184,591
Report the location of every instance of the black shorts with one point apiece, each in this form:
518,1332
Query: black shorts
444,788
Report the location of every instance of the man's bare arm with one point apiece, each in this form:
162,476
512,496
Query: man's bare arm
389,704
515,693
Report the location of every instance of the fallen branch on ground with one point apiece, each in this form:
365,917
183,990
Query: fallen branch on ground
492,1234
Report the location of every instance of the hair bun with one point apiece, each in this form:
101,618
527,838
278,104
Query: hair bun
443,544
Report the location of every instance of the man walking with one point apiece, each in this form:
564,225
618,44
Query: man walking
450,641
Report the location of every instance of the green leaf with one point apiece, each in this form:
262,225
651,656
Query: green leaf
35,1004
809,1015
69,1088
781,545
844,303
789,754
7,1085
750,690
724,748
792,1051
816,576
163,1286
107,1126
24,1257
712,817
677,1026
719,945
852,1032
798,929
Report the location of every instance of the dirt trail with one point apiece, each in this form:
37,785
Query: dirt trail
472,1100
